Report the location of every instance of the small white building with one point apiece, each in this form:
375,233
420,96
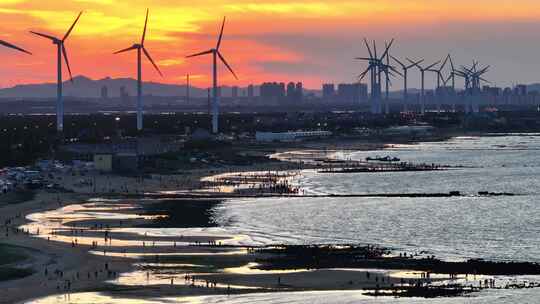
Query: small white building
290,136
422,130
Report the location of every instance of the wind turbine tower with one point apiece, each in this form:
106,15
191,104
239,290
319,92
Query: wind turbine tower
61,51
187,88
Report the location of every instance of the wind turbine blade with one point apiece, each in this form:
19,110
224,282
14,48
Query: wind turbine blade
72,26
152,61
9,45
361,76
126,49
417,63
466,70
144,31
444,64
429,67
484,70
200,54
64,52
375,49
220,34
368,48
45,36
227,65
399,62
396,71
451,62
387,49
485,80
363,58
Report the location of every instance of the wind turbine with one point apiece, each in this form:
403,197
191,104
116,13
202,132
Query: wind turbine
423,72
376,66
373,66
61,51
473,76
141,49
405,69
215,54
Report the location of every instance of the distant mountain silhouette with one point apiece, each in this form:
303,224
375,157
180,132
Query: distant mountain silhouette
84,87
88,88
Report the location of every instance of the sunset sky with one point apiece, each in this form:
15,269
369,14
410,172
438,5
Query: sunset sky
300,40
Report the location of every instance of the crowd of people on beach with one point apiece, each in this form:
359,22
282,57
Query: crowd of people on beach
256,183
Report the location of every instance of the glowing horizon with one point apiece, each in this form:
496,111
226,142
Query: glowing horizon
299,40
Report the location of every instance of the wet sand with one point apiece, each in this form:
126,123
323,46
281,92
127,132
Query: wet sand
145,264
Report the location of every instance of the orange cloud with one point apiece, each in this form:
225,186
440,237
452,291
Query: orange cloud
261,37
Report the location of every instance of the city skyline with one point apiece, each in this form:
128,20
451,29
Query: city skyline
502,35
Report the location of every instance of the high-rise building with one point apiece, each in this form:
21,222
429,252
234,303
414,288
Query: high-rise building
363,91
520,90
124,95
250,91
491,91
281,89
104,92
273,90
352,92
234,92
299,91
328,91
291,91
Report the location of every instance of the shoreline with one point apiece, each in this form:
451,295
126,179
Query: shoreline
72,257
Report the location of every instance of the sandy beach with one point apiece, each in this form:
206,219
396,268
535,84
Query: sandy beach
106,236
65,259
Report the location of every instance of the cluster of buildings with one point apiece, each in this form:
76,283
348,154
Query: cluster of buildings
346,93
277,92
